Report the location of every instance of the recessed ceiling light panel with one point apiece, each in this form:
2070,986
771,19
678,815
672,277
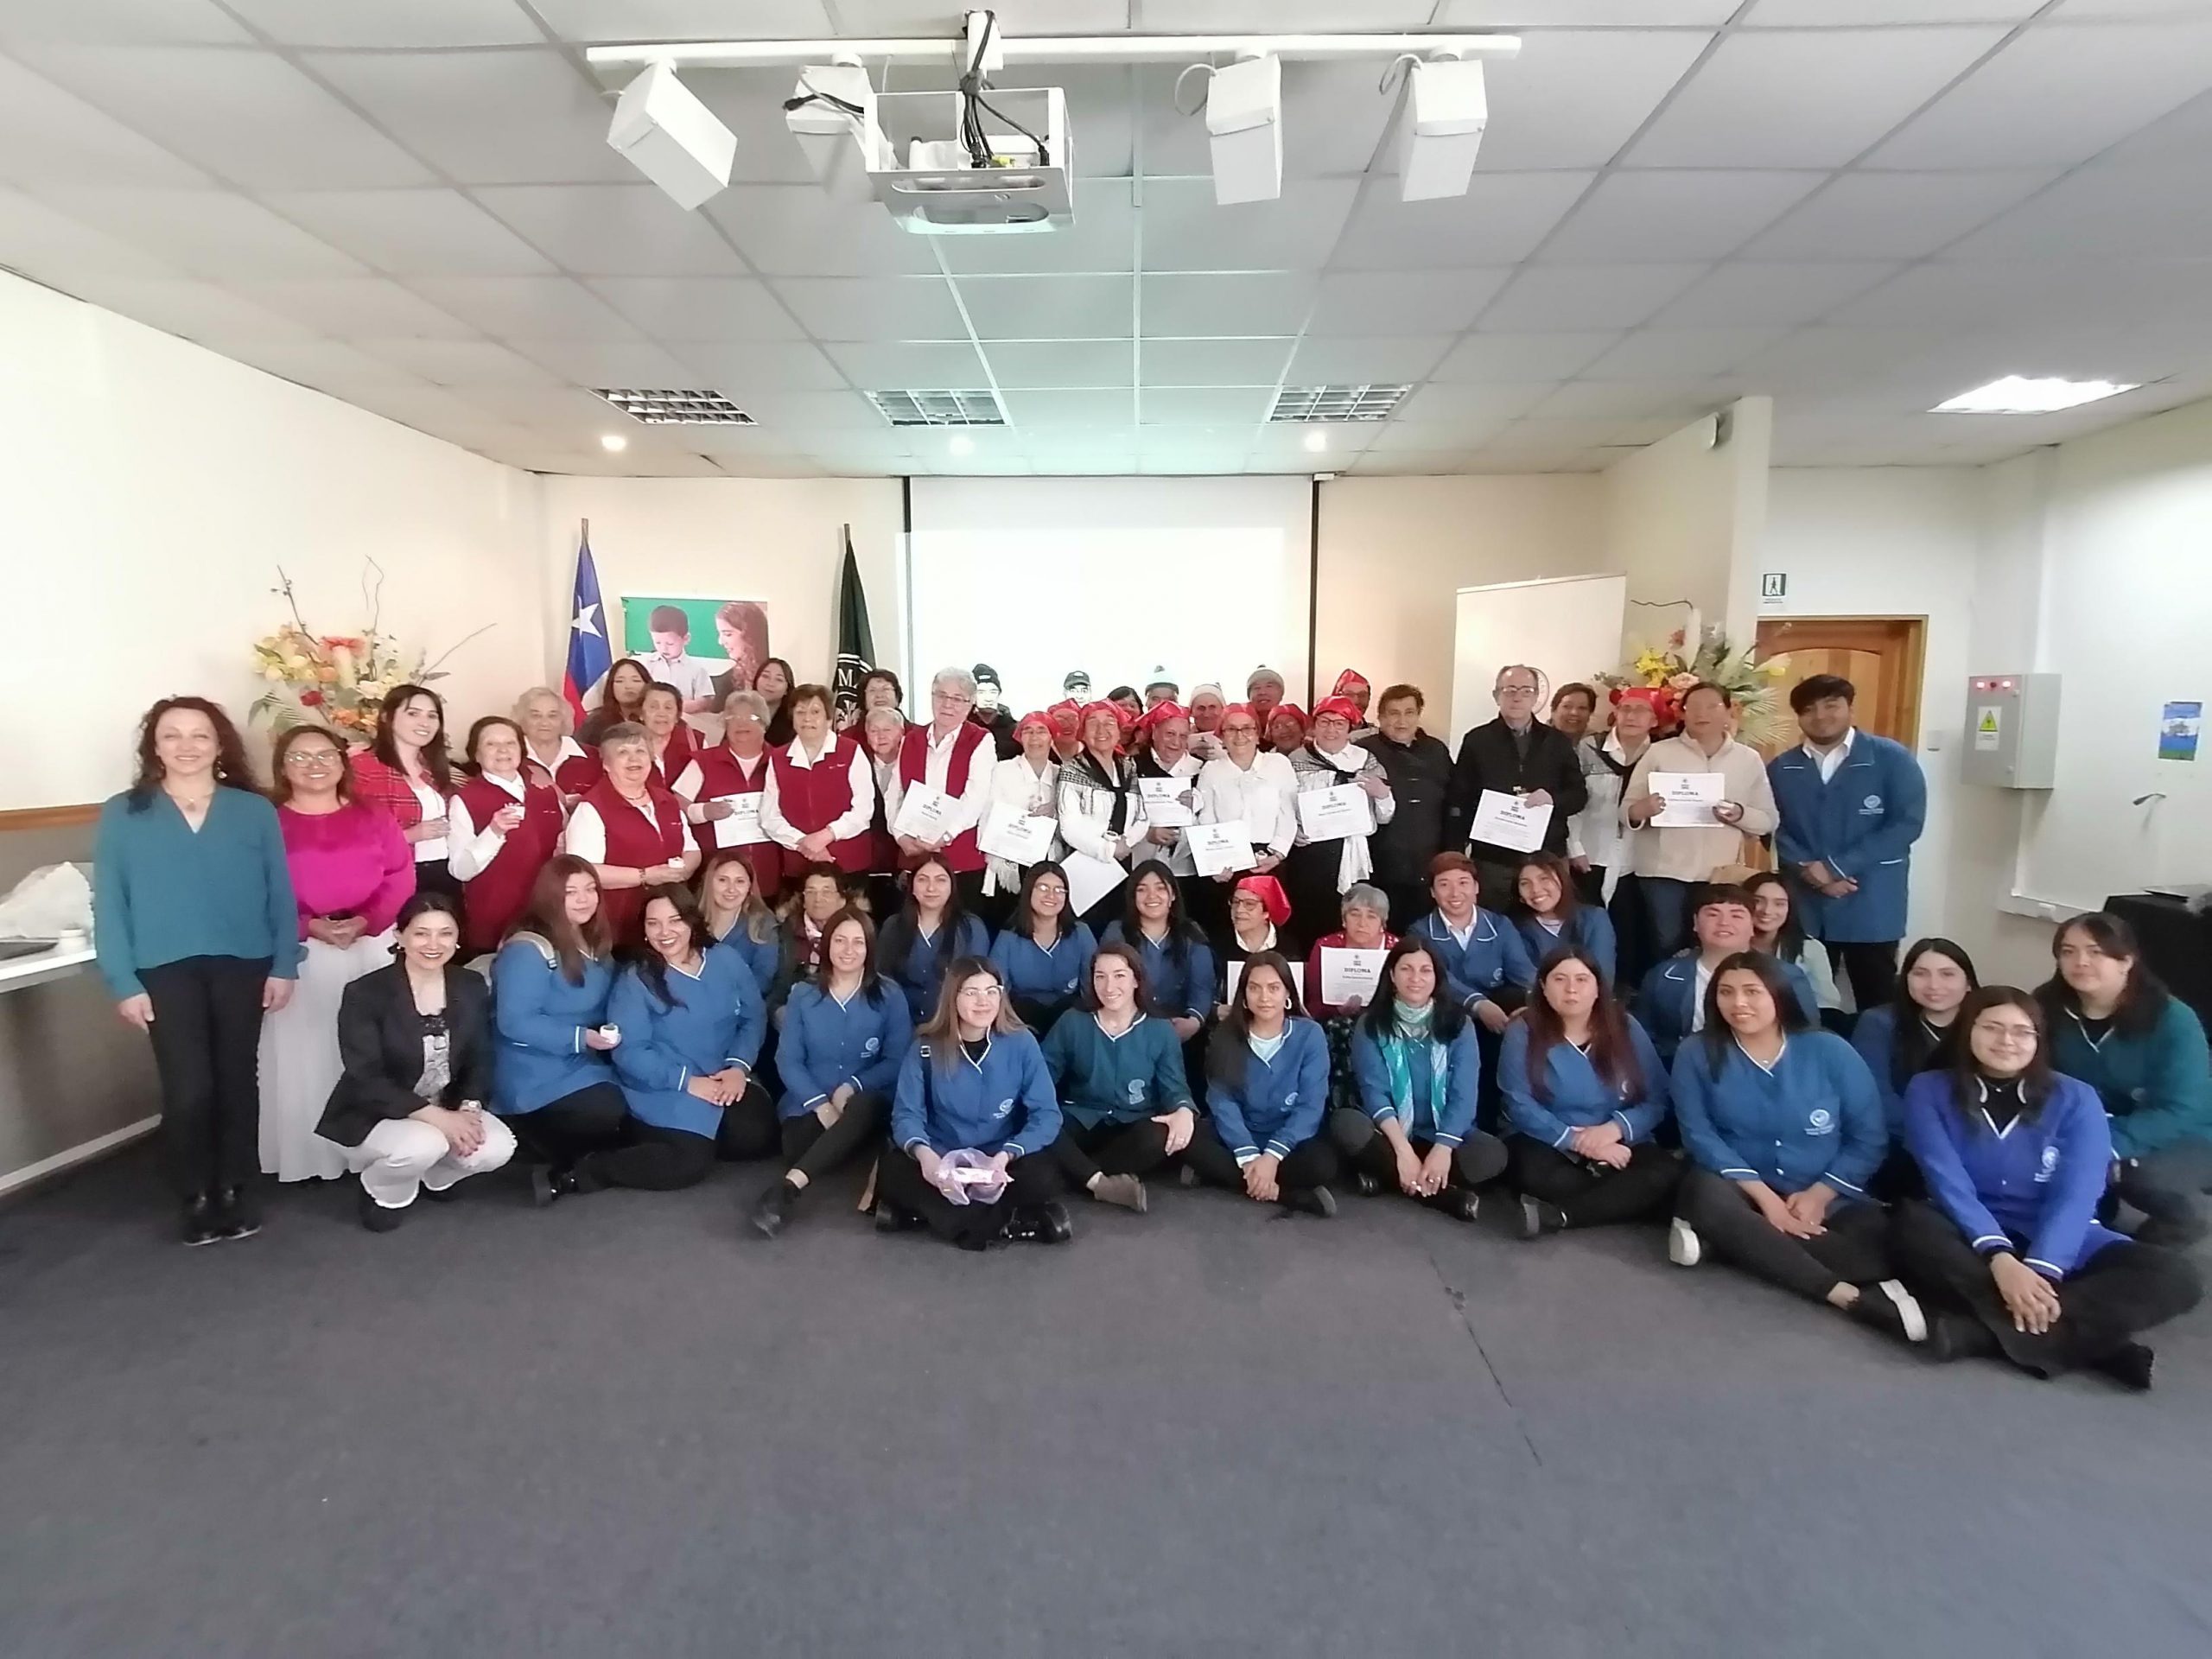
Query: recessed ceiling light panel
657,407
2017,394
939,408
1361,403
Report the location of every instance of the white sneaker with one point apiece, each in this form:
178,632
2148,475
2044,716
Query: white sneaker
1684,1248
1908,1311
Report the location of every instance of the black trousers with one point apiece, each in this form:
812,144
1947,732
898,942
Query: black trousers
2122,1290
1409,902
2169,1186
563,1130
206,1036
658,1159
1108,1148
1855,1250
815,1150
1666,914
1871,969
1638,948
1309,878
1590,885
1595,1195
1040,1014
1310,1164
899,1182
1480,1157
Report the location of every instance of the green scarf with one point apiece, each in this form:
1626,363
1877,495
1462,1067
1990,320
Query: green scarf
1414,1027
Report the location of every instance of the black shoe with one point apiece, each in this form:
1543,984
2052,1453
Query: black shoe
1891,1309
1956,1335
1538,1218
1040,1223
890,1218
238,1212
774,1209
376,1217
201,1225
1365,1185
1460,1203
547,1184
2129,1365
1311,1200
1188,1176
442,1194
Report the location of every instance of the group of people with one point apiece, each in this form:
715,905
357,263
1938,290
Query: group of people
1228,944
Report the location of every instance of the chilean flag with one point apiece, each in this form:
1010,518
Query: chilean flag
589,657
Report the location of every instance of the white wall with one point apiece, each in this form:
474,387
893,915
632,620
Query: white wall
1395,551
153,490
774,539
1683,519
1563,628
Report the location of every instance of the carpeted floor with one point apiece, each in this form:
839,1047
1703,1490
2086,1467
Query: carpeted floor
624,1427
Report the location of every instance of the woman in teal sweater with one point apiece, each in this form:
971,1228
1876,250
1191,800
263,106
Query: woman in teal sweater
1125,1104
198,937
2115,1027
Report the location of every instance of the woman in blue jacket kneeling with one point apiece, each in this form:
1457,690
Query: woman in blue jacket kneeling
1584,1091
1416,1062
974,1099
692,1018
1784,1126
1267,1090
845,1032
2007,1250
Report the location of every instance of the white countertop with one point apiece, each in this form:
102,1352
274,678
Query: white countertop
58,963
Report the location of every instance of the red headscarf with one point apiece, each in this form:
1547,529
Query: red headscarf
1342,707
1666,707
1170,709
1292,710
1120,717
1065,719
1027,721
1269,893
1345,681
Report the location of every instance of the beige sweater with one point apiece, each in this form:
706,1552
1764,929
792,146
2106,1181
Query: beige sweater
1694,854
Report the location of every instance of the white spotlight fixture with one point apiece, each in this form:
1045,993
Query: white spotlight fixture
2019,394
1446,109
1316,442
613,442
664,131
1244,123
962,444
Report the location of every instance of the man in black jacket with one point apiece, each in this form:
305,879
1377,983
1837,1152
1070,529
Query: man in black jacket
1419,770
1515,754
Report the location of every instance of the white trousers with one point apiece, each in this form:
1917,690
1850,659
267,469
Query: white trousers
400,1154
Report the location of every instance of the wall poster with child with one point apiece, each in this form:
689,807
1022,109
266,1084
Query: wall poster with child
706,648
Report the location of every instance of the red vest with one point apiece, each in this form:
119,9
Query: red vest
960,852
677,756
634,844
721,775
814,798
500,892
572,777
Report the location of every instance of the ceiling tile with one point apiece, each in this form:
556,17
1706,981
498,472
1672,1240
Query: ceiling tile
413,232
209,232
190,311
1258,362
1046,363
141,22
1403,302
1184,230
1630,400
1893,215
756,364
1285,440
890,308
2058,95
1194,17
1471,403
699,307
816,409
1745,294
460,362
1048,307
550,125
1821,14
567,410
1676,215
225,110
328,364
612,230
2030,295
1076,410
750,103
799,230
1572,97
52,138
1680,353
390,23
57,250
2143,212
1558,298
1408,436
682,20
1204,405
1499,222
952,365
371,307
1780,99
1600,14
506,307
1266,302
1366,360
1508,357
903,17
1102,239
605,363
1825,360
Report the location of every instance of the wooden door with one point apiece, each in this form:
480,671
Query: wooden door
1879,655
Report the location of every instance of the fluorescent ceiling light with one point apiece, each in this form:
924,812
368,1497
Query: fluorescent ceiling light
962,444
667,407
1333,404
2019,394
939,408
1317,441
613,442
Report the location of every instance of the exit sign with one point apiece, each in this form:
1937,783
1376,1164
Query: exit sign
1775,584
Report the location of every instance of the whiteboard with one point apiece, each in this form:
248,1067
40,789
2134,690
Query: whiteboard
1568,628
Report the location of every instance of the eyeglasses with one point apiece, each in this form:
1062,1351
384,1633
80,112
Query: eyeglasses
1516,690
2003,1034
312,758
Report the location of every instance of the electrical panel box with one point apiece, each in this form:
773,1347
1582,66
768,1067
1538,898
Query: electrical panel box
2012,731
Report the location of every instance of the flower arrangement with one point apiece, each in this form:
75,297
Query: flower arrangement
1673,667
338,679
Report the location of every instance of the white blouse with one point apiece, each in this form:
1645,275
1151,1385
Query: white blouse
1263,799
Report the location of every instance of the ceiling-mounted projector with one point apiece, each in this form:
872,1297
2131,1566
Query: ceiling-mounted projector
1023,180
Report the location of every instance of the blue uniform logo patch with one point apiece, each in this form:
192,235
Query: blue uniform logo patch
1871,806
1003,1107
1136,1091
872,1045
1819,1120
2050,1164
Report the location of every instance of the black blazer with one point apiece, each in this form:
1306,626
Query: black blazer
1489,759
380,1040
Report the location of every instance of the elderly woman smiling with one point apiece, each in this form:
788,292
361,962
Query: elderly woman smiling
630,830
